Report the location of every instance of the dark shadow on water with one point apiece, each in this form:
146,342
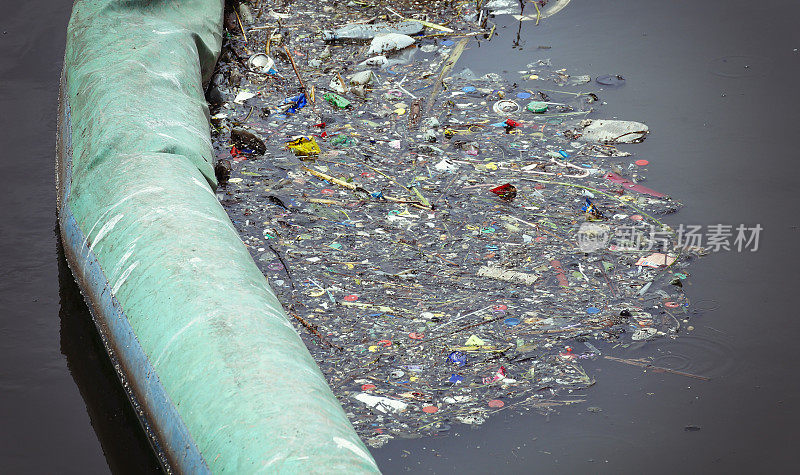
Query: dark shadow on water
124,443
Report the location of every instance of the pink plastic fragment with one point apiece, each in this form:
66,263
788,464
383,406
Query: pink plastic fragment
629,185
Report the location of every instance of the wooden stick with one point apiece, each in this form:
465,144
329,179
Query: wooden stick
458,330
240,25
331,179
313,330
269,41
294,66
657,368
448,66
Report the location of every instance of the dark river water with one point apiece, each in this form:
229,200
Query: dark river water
715,80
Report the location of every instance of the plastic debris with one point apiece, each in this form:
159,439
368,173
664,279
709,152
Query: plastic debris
537,107
243,96
304,146
506,192
337,100
505,107
592,212
247,142
657,259
507,275
449,244
613,131
294,104
381,404
375,61
261,63
610,80
361,31
629,185
362,78
389,42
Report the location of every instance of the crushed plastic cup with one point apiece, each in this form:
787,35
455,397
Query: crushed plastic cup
261,63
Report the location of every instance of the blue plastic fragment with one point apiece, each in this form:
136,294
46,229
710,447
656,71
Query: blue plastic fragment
592,310
590,208
512,322
298,102
456,378
458,358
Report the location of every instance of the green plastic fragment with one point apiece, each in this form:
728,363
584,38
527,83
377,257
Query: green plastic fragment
537,107
419,196
343,140
336,100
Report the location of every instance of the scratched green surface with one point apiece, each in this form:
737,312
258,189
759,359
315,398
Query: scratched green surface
239,375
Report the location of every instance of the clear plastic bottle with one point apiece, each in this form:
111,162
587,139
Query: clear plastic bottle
361,31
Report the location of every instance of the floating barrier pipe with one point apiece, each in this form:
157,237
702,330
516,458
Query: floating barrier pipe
219,377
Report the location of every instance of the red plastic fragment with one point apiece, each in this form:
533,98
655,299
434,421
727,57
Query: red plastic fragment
562,279
506,192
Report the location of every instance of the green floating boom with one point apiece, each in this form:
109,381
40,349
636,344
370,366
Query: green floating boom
213,365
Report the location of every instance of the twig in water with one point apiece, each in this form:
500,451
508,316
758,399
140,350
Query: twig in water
240,25
458,330
288,274
313,330
294,66
657,368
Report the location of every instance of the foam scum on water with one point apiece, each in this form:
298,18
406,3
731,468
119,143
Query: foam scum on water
449,245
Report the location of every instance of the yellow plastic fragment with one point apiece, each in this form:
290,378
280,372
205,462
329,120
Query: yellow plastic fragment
331,179
475,348
431,25
304,146
380,308
474,341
